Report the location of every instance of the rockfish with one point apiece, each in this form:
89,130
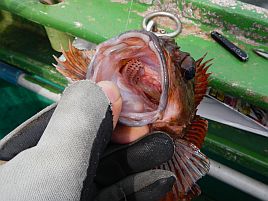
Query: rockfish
161,87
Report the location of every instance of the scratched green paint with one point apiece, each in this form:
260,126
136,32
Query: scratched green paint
100,20
228,15
239,147
241,150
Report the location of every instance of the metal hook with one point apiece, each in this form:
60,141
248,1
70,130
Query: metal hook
148,24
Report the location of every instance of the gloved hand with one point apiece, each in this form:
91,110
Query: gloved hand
57,154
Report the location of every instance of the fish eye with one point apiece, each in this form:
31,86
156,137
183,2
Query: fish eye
189,73
188,68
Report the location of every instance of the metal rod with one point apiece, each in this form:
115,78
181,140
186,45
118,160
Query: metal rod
37,89
238,180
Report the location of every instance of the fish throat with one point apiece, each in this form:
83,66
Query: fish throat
143,79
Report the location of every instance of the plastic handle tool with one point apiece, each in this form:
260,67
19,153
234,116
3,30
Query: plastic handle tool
240,54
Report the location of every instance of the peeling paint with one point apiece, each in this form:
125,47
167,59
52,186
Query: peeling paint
209,17
149,2
247,40
234,84
119,1
43,12
5,21
255,9
91,19
214,19
188,26
249,92
190,29
78,24
167,7
225,3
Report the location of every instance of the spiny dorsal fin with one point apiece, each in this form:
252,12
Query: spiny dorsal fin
189,165
196,131
201,79
75,64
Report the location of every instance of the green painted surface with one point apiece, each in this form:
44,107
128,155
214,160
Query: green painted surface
58,39
244,148
86,19
25,44
92,20
17,105
214,190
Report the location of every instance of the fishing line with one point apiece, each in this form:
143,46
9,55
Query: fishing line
129,10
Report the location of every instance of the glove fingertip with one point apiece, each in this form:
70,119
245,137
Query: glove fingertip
156,190
150,194
151,185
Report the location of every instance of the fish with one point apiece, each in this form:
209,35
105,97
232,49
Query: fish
161,86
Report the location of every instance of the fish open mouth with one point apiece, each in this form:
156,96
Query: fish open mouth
135,62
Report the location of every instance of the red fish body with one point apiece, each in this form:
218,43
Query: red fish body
161,87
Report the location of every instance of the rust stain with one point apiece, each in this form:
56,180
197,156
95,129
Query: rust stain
265,99
189,29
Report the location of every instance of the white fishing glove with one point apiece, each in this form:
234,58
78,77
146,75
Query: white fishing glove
57,154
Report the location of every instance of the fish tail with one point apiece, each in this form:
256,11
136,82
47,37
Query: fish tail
189,165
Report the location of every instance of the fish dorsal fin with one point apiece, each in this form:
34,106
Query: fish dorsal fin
189,165
201,79
75,64
196,131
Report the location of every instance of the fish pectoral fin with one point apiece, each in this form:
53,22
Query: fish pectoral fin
75,64
189,165
196,131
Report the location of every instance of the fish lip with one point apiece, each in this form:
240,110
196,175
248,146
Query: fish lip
164,84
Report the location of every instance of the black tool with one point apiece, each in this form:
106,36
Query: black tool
240,54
